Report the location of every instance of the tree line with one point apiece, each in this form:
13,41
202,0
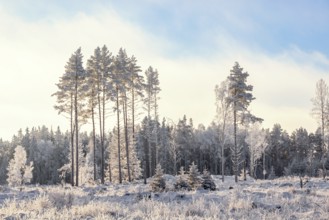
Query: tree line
112,86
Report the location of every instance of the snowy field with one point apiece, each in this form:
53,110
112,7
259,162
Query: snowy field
251,199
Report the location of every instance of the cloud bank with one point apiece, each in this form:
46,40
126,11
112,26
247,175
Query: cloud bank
33,55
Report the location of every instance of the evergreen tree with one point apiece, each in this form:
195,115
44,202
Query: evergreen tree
69,99
151,102
158,183
207,181
193,178
182,182
239,98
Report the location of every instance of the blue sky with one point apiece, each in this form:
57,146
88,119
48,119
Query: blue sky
193,44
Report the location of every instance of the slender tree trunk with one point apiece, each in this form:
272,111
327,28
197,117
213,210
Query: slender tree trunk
72,143
76,132
149,131
264,170
103,138
236,160
222,150
156,130
125,121
118,125
94,138
144,170
100,126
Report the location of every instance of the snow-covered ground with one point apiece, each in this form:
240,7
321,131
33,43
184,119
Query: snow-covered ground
251,199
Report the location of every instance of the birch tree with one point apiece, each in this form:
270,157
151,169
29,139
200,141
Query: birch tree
320,113
256,140
223,115
19,172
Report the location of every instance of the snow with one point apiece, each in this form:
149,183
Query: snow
252,199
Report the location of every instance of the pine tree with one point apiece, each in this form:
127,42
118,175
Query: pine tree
93,69
151,102
193,178
239,98
69,99
158,183
19,172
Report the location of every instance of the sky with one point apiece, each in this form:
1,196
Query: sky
283,45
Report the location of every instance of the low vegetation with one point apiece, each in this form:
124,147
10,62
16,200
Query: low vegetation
252,199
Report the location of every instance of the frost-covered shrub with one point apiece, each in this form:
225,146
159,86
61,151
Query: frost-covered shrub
207,181
182,183
158,183
193,178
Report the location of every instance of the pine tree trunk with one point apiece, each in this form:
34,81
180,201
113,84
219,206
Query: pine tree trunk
133,114
125,121
72,143
118,125
223,164
76,132
100,125
156,130
235,156
94,138
103,139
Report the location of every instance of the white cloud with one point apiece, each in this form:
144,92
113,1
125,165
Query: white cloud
33,56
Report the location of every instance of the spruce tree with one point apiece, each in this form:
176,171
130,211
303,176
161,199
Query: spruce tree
181,183
193,178
158,183
207,181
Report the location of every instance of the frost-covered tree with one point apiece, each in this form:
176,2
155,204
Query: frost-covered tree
19,172
193,177
239,98
223,115
151,102
92,95
99,84
320,112
69,100
158,183
182,182
256,140
207,181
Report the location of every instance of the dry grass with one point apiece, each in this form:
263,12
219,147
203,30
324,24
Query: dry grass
133,202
